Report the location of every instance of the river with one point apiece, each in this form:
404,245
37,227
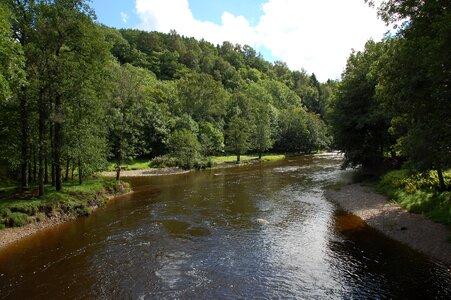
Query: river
259,231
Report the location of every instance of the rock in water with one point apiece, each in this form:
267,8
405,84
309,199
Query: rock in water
262,221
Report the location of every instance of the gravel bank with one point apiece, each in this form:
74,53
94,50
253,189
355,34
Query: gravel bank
411,229
147,172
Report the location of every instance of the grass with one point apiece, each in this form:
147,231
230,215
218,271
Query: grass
136,164
17,209
419,193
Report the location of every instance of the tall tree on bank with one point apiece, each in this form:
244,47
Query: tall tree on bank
22,32
63,23
359,122
238,136
416,82
12,79
130,94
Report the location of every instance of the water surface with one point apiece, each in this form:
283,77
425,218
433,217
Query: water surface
261,231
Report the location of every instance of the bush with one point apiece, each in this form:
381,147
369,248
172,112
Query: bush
418,193
18,219
164,161
185,149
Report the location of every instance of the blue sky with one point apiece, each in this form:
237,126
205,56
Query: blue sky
314,35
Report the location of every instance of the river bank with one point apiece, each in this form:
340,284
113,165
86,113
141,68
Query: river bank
47,213
218,162
378,212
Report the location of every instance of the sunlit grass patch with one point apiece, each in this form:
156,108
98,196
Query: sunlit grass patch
419,193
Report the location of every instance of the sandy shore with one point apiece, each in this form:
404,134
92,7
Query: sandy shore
378,212
147,172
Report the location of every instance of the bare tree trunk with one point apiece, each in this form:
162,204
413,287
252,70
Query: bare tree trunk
46,170
72,171
80,172
43,169
66,177
441,179
259,155
25,139
35,166
238,158
118,172
58,143
52,156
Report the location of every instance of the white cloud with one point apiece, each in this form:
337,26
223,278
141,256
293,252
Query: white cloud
124,17
315,35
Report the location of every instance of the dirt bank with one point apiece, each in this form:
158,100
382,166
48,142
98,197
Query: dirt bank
11,235
411,229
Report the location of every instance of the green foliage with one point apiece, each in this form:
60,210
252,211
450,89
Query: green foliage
360,123
94,93
211,139
184,146
164,161
238,136
17,219
419,193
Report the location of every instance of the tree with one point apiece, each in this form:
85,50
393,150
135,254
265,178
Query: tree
127,107
292,134
185,148
238,136
415,85
360,124
211,139
12,81
262,138
202,98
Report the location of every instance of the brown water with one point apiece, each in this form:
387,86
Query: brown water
263,231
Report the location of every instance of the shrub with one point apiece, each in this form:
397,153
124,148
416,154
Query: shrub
418,193
164,161
18,219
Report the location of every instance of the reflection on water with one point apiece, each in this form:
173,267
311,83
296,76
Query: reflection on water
262,231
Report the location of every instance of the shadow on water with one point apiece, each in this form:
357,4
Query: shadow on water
260,231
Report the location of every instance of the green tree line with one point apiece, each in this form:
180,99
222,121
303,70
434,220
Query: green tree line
75,94
394,98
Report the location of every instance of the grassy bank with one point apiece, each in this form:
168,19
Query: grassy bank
418,193
144,164
216,160
18,209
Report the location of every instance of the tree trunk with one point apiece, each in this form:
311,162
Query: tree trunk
80,173
118,172
238,158
43,170
30,169
35,166
58,143
66,177
25,139
72,171
259,155
46,170
440,179
52,156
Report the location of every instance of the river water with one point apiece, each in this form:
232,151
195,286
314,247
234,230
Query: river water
260,231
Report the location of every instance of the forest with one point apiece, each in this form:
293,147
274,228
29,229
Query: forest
76,94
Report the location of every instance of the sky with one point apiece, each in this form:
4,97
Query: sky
314,35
